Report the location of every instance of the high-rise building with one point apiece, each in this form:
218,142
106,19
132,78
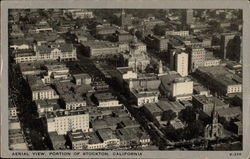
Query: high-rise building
226,41
179,62
197,57
187,17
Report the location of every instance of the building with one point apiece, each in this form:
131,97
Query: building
196,57
220,80
82,14
159,43
24,55
64,121
105,100
57,142
214,129
109,138
144,89
39,90
187,17
178,33
176,87
12,110
230,112
44,106
55,72
82,79
179,61
100,48
123,36
226,41
137,59
60,52
77,140
207,104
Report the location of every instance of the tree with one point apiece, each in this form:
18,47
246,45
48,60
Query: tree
168,115
195,129
188,115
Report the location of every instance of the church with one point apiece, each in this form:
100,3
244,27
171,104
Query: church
215,129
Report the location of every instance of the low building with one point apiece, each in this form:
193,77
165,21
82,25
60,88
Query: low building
82,79
57,142
109,138
100,48
12,111
230,112
219,79
105,100
95,142
39,90
207,104
77,140
179,33
24,55
44,106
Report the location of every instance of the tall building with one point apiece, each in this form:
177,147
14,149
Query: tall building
226,41
197,56
187,17
179,62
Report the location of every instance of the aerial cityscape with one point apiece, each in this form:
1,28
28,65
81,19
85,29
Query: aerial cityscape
125,79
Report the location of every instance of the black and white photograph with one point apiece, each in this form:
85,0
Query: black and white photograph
125,79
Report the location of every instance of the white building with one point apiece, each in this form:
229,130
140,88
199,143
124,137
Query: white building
179,33
176,87
179,61
64,121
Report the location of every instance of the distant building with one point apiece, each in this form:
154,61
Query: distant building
82,14
100,48
64,121
187,17
123,36
179,33
179,61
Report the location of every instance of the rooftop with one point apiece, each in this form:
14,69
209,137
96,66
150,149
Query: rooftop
106,134
77,135
63,113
